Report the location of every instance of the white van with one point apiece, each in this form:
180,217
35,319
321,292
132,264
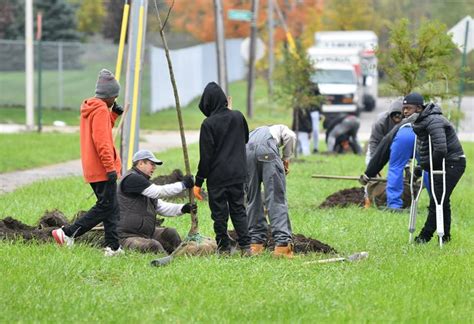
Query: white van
338,85
354,47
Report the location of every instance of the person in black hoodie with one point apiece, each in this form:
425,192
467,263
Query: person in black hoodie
445,145
223,163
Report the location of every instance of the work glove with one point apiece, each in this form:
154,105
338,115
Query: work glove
112,176
417,172
188,181
188,208
286,165
197,192
116,108
364,179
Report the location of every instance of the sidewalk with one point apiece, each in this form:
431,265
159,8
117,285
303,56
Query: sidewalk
155,141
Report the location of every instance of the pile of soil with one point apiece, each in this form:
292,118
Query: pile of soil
376,192
302,244
12,229
345,198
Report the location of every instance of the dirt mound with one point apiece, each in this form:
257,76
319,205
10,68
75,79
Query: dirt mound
344,198
302,244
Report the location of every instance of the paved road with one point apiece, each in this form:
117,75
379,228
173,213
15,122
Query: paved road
156,141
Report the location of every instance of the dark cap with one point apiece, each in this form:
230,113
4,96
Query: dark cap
145,155
413,98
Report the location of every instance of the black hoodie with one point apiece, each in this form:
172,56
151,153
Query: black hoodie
444,140
222,140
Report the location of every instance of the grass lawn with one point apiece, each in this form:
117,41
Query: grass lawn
397,283
264,113
29,150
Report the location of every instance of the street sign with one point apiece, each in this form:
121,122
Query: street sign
259,49
461,35
242,15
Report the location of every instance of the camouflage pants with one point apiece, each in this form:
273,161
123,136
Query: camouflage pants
164,240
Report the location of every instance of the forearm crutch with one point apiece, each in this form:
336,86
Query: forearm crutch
439,204
414,196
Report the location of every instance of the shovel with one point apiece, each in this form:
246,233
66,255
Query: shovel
353,257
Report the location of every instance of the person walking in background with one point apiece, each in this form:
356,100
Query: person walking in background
266,167
302,125
445,145
101,165
382,126
315,111
222,164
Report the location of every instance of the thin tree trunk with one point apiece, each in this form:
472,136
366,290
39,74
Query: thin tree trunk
194,220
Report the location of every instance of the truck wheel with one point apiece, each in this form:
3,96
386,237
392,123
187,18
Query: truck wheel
369,103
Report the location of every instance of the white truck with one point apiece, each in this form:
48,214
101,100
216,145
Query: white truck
355,48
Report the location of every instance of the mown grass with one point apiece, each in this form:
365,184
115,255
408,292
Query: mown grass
398,283
264,114
29,150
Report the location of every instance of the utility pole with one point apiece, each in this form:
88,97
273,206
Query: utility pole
251,75
39,27
220,46
29,65
271,58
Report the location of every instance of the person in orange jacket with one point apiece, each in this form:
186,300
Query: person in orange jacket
100,164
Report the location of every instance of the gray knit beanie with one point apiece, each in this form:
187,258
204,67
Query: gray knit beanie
106,86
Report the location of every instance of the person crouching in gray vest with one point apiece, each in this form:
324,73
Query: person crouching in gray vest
265,166
140,202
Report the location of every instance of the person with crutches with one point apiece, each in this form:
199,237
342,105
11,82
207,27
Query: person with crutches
442,155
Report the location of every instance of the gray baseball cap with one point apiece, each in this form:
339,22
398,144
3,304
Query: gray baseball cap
146,155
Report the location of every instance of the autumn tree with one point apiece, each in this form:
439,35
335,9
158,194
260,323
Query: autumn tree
90,16
349,15
420,59
197,18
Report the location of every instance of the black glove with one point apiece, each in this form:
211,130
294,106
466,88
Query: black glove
417,172
364,179
112,176
117,109
188,208
188,181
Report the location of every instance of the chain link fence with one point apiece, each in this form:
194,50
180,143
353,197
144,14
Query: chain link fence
69,72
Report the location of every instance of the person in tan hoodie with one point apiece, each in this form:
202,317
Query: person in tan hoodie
100,164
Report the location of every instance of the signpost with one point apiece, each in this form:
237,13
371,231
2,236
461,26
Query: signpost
463,37
241,15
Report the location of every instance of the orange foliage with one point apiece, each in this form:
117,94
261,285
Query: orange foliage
197,17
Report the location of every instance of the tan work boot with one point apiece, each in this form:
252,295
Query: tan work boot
285,251
256,248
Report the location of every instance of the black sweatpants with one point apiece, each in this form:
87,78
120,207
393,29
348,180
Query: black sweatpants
105,210
222,202
454,171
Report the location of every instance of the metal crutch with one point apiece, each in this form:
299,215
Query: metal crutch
414,197
439,205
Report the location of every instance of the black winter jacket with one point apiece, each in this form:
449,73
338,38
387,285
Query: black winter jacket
222,140
382,126
382,153
305,124
445,143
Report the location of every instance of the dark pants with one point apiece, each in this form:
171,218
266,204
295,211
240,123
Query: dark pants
454,171
222,202
164,240
105,210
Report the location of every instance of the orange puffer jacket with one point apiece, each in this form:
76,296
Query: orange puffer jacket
98,153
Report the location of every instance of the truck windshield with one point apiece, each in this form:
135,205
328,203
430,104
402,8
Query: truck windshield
334,76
